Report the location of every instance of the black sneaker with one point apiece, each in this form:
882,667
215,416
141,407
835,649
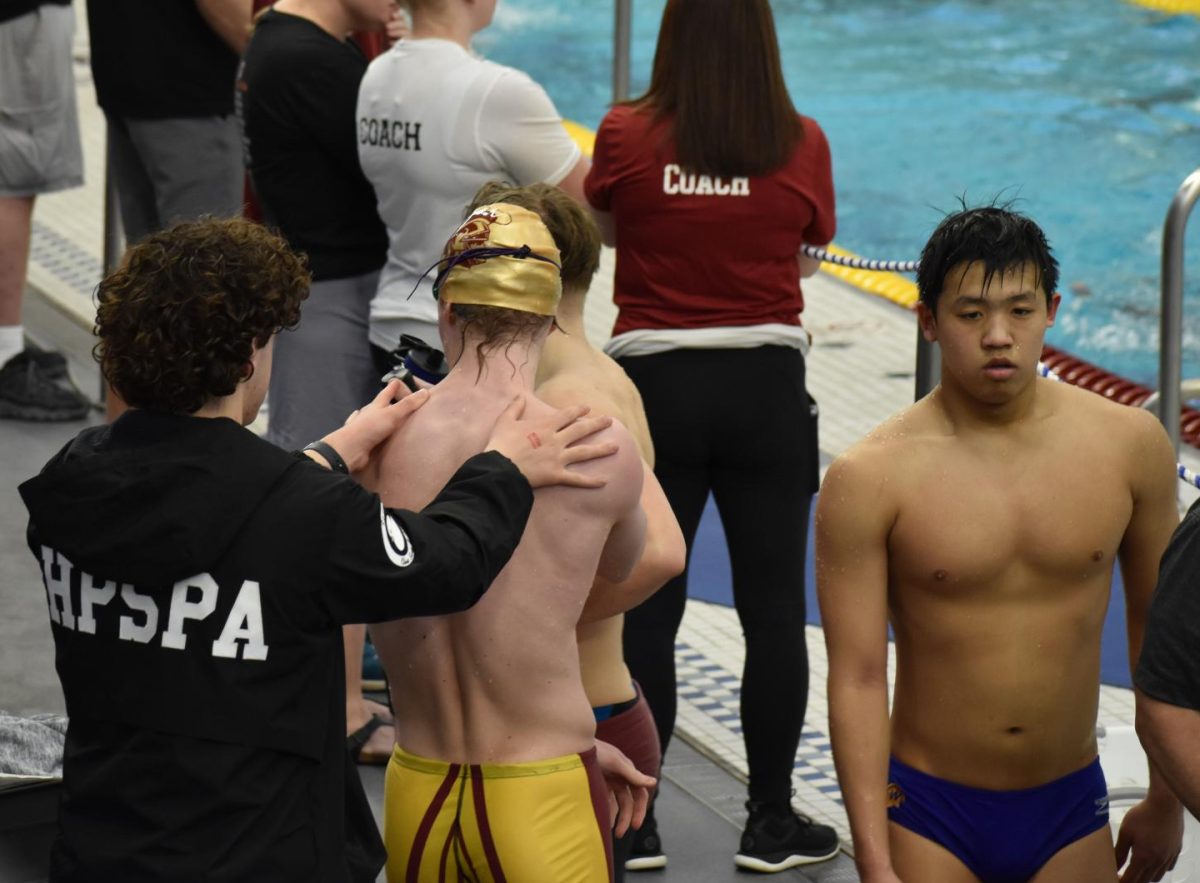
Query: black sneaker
27,393
778,838
646,853
53,365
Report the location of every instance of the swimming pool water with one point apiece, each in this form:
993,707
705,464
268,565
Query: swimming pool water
1087,112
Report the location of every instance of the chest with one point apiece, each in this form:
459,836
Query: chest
970,520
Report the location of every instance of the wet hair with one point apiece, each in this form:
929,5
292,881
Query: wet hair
179,320
717,76
996,236
495,328
569,223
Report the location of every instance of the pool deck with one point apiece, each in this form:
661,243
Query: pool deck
860,370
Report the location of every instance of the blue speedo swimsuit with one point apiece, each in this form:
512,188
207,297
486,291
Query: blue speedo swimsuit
1001,836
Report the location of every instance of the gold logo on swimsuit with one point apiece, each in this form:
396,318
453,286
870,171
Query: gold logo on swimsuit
895,796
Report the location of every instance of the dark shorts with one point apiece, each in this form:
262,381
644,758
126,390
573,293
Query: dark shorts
630,727
1001,836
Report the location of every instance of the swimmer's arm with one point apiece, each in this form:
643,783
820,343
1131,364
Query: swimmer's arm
1170,734
627,538
1153,520
663,557
1154,828
852,525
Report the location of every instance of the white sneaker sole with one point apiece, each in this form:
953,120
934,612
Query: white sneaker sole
750,863
646,863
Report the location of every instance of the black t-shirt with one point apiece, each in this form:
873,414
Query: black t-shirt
159,59
1169,667
10,9
296,96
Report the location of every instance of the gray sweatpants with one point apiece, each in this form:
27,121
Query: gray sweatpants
323,370
175,170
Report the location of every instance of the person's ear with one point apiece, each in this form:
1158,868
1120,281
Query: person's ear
1052,308
927,322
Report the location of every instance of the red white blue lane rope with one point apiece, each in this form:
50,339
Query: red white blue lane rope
821,254
1182,471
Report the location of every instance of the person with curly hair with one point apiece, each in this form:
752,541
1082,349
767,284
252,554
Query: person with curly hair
197,577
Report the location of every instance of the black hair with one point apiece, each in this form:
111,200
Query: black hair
994,235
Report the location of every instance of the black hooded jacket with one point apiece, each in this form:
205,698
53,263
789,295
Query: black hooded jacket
197,578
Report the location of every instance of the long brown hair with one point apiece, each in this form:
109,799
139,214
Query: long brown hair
718,76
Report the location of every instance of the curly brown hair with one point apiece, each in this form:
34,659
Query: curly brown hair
179,320
574,231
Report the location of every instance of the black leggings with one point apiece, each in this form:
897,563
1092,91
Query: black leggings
738,423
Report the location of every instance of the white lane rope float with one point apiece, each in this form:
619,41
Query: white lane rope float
1185,474
822,254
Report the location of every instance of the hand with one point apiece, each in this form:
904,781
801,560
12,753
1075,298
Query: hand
396,27
1151,836
628,789
373,424
542,448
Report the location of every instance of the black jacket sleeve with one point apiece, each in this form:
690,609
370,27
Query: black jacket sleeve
389,563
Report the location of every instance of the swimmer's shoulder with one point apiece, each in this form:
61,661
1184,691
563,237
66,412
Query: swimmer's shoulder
876,467
568,387
1124,426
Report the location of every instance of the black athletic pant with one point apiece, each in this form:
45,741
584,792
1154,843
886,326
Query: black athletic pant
738,423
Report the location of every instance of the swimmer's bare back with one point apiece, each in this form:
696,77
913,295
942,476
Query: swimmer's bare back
500,682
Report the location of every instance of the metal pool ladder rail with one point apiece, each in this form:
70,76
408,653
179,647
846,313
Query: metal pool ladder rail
1170,357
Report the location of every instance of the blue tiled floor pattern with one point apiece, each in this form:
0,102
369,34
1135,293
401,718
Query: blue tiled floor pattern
716,691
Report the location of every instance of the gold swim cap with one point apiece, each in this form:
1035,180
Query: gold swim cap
502,256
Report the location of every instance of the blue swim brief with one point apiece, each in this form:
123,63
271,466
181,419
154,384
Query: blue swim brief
1001,836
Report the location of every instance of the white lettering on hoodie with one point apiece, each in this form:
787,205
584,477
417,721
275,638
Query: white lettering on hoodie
140,623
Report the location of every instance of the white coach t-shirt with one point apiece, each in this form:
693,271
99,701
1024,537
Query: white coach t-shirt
434,124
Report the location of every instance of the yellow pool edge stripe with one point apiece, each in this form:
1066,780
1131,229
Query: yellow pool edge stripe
890,286
1174,7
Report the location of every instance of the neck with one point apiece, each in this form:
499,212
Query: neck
569,315
450,22
967,411
231,406
505,370
329,15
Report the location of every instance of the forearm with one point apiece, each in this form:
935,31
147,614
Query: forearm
858,720
1170,734
664,556
1159,790
229,20
609,598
